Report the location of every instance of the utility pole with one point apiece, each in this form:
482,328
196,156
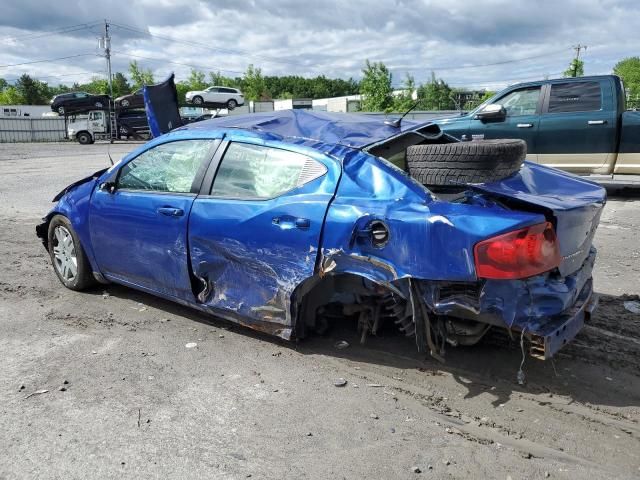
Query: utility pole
107,54
577,48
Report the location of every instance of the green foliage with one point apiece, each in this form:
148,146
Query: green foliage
576,69
32,91
375,87
140,76
629,70
404,101
196,80
435,95
253,84
9,95
120,85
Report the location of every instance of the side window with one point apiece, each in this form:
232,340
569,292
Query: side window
521,102
170,167
257,172
575,97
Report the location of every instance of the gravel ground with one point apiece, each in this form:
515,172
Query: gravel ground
126,399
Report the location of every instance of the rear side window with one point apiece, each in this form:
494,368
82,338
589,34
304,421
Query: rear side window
227,90
575,97
170,167
257,172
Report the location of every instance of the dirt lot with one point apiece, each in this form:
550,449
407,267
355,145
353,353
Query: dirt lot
139,404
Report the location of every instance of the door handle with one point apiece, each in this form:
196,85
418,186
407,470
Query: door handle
287,222
171,211
525,125
596,122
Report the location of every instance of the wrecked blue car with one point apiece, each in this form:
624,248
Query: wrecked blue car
279,221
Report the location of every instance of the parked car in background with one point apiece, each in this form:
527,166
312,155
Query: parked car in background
131,100
221,97
575,124
281,220
78,101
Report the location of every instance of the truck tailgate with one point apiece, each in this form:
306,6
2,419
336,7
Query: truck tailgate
573,204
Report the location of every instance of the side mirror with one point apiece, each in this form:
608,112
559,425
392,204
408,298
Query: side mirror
108,187
494,111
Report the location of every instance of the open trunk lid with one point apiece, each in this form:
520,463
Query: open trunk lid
574,206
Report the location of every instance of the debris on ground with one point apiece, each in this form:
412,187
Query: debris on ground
341,345
632,306
416,470
374,416
340,382
105,294
62,388
374,385
37,392
191,345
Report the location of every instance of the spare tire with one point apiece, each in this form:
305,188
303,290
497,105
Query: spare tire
456,164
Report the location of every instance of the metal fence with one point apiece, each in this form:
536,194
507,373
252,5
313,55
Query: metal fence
31,130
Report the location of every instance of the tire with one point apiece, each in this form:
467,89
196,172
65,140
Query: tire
84,138
197,100
455,164
66,253
231,104
61,110
124,103
98,104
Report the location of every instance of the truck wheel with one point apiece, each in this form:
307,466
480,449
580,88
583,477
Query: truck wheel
452,164
231,104
67,255
84,138
197,100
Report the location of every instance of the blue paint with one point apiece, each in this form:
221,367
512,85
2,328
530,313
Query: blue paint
252,266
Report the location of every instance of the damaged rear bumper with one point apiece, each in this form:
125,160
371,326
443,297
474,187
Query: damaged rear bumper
548,338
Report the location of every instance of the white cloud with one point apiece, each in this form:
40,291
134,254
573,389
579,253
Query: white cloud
326,37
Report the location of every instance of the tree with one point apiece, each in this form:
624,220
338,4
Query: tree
253,83
140,76
629,70
375,87
435,95
404,101
3,84
576,69
196,80
32,91
120,85
10,96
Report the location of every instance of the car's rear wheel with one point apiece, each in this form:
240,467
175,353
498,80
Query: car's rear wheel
61,110
98,104
197,100
67,255
457,164
231,104
84,138
124,103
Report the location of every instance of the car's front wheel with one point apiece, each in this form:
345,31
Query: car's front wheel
67,255
124,103
98,104
198,100
61,110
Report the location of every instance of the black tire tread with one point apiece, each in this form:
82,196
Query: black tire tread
452,164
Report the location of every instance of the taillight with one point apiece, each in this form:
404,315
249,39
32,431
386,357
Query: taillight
518,254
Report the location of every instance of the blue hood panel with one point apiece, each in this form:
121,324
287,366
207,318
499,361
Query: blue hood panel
355,131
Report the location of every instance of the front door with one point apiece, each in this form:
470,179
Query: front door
522,108
255,235
139,230
578,127
96,122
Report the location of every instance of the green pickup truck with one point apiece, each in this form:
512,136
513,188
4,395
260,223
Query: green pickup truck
578,124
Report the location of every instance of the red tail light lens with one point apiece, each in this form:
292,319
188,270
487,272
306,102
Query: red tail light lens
518,254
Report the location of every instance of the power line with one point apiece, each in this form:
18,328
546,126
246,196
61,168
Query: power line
243,53
213,69
48,60
61,30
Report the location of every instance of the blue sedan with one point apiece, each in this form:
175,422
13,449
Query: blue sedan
281,220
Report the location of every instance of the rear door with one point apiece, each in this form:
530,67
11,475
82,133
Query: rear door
139,230
523,107
578,126
254,235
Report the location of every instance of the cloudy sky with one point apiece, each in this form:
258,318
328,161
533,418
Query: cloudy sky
468,43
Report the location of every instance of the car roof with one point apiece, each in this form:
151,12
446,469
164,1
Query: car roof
345,129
